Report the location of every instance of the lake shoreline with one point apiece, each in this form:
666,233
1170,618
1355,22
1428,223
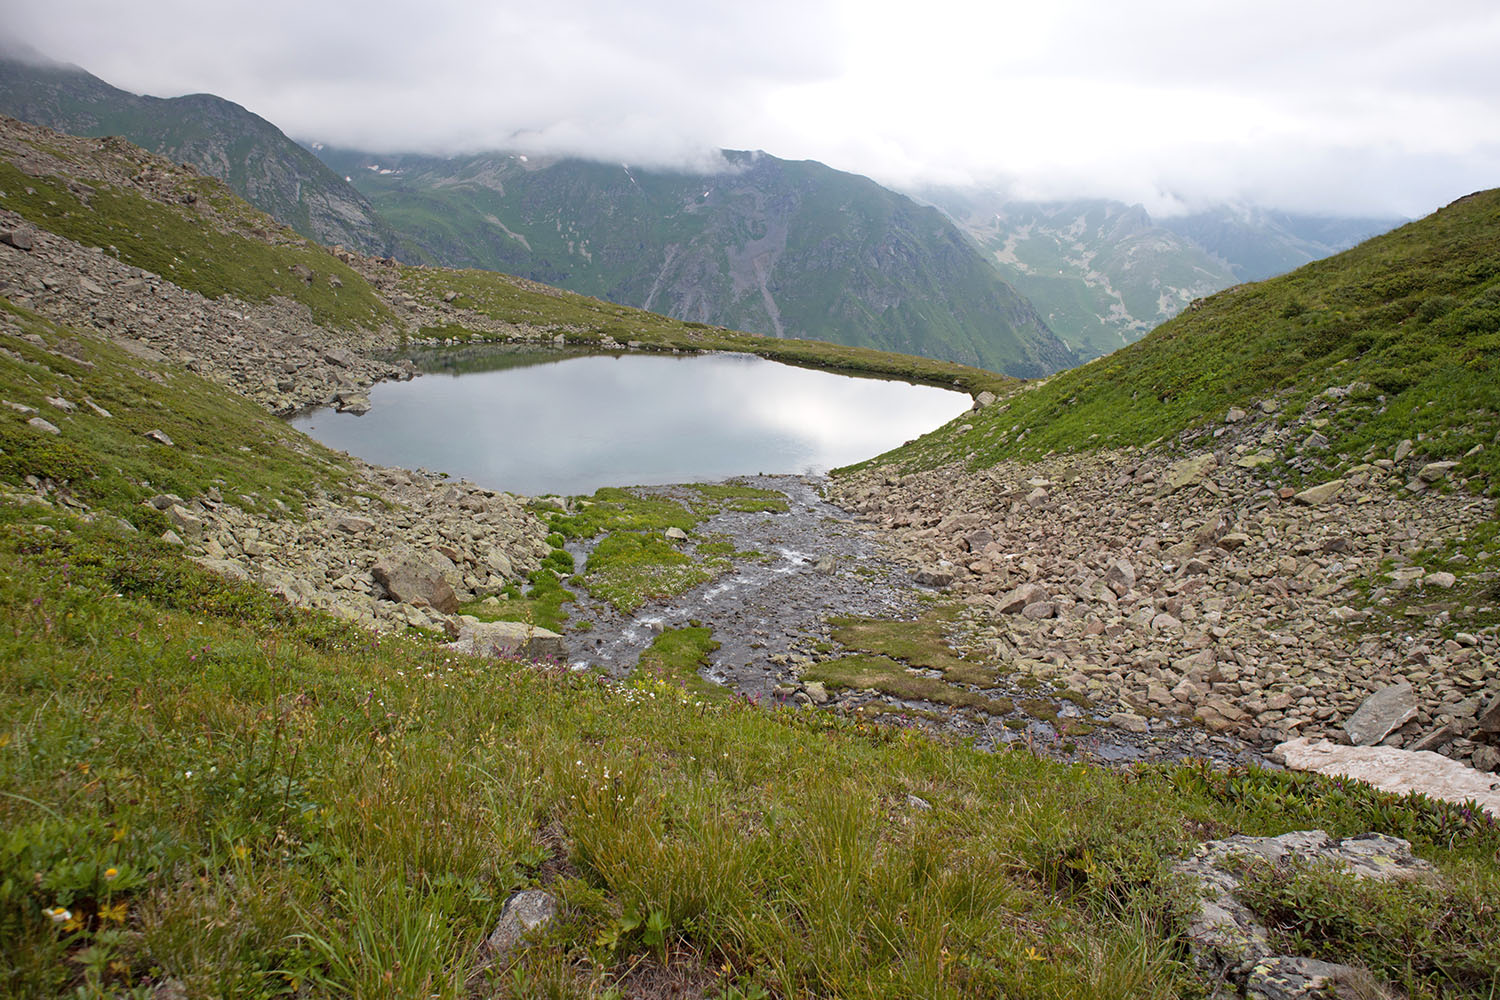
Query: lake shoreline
566,422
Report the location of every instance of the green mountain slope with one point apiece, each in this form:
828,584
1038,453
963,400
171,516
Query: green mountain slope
784,248
1404,329
220,138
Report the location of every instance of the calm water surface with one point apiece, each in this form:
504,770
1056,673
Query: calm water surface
572,425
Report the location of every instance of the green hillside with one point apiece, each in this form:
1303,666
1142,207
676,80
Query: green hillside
215,248
219,137
1407,323
783,248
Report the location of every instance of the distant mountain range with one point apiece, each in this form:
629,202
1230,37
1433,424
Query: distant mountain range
768,246
778,247
1259,243
1103,274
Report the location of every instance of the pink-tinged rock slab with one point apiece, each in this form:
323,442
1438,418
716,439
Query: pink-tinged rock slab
1393,770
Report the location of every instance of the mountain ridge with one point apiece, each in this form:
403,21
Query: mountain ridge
218,136
781,247
822,255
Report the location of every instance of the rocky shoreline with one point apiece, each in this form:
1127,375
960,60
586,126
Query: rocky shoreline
1173,592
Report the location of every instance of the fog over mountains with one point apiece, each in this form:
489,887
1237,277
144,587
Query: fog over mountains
773,246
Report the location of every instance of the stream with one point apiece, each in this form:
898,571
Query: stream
819,563
769,614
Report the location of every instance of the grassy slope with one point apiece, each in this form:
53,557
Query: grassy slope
1414,315
180,244
255,801
219,440
587,320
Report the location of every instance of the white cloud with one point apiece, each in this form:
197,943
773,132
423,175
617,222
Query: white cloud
1368,106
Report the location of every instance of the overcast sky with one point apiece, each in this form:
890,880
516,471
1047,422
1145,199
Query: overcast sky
1374,106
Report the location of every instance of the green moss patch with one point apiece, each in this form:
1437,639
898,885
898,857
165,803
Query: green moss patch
677,654
889,677
618,509
921,643
748,499
541,604
629,568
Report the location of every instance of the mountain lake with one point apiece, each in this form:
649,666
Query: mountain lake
553,422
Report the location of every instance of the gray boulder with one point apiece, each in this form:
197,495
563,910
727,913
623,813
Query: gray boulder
1382,713
1188,472
1120,577
934,576
1019,599
410,577
509,640
1434,471
357,403
522,913
1489,716
1292,977
19,237
186,523
1316,496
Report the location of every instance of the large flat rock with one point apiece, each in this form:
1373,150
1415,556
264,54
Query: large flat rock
422,578
1382,713
1394,770
509,640
1226,936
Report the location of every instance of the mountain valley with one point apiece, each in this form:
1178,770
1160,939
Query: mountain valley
1103,274
280,722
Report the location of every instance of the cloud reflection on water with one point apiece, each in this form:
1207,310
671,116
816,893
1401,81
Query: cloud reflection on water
572,426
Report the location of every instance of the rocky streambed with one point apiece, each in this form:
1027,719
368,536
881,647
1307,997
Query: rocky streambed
796,569
800,576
